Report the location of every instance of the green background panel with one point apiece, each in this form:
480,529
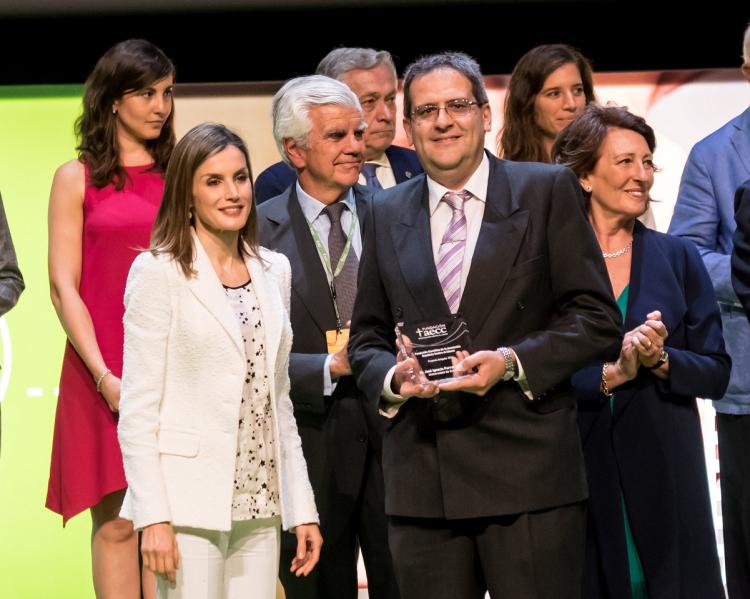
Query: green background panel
38,557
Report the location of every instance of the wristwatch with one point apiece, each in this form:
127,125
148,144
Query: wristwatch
510,363
663,359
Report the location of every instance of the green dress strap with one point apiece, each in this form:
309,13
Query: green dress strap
638,588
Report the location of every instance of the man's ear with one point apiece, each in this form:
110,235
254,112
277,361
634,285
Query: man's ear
487,117
745,68
295,153
407,129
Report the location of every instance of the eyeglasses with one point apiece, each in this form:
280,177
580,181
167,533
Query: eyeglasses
457,108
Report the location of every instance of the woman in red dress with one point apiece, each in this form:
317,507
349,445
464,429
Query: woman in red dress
102,206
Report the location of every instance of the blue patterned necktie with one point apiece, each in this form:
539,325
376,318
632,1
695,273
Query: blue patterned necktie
368,170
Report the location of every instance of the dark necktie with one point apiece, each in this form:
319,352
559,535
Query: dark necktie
368,170
346,282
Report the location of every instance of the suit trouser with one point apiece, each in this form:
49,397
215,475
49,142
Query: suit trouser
734,465
239,564
335,576
536,555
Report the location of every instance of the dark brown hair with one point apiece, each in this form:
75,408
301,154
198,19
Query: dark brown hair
579,145
172,232
126,67
521,139
458,61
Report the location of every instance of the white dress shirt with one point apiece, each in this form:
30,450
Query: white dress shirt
384,172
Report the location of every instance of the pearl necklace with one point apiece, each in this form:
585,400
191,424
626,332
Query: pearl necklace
618,253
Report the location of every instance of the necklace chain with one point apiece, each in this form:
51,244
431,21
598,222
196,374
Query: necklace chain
618,253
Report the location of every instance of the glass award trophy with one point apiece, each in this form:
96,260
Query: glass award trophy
434,344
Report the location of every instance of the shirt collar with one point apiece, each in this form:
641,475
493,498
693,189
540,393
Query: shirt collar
476,185
312,208
381,160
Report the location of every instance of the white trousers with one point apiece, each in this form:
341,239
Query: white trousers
240,564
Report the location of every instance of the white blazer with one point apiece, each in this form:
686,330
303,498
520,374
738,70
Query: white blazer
182,381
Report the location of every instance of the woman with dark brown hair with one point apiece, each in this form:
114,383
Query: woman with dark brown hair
209,441
549,86
650,530
102,206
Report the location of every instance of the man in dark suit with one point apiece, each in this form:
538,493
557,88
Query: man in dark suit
484,476
318,224
371,75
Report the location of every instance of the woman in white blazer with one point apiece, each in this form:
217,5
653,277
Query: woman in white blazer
212,456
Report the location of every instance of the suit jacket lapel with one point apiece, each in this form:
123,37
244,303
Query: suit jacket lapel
207,288
398,166
503,228
270,309
309,282
362,197
412,241
741,140
652,287
641,289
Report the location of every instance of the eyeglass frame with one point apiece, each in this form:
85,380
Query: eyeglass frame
431,119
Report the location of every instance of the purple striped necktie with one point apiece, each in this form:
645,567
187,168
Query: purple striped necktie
451,252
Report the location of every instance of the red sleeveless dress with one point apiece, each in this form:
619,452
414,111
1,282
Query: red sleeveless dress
86,459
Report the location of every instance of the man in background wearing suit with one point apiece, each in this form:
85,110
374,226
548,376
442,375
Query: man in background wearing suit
485,484
318,223
371,75
704,213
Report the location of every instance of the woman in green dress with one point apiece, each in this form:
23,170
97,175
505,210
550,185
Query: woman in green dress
650,530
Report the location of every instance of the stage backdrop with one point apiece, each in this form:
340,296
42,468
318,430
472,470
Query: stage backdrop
40,559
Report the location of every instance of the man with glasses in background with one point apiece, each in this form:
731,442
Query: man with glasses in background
484,476
371,75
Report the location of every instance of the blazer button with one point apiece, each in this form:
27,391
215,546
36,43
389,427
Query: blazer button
520,305
361,438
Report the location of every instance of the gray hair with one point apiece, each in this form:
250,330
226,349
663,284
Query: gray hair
458,61
340,61
746,45
291,104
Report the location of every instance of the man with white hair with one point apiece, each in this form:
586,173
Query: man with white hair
371,75
318,223
704,213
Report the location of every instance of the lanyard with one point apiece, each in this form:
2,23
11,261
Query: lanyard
331,272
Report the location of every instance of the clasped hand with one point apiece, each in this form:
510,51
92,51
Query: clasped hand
642,346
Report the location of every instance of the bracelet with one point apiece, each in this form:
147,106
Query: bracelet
510,365
603,387
663,359
101,379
